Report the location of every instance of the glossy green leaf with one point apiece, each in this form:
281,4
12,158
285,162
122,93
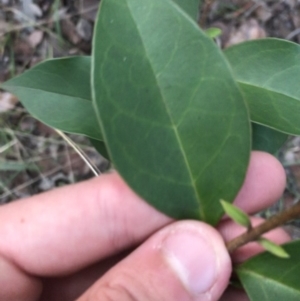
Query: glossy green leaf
268,278
266,139
191,7
273,248
235,213
268,73
213,32
174,122
57,92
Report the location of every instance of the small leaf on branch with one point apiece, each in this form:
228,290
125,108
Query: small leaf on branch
273,248
213,32
239,216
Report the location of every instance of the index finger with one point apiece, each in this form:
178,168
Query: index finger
65,230
62,231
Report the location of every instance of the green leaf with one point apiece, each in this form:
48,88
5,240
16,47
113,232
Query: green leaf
268,278
172,116
266,139
57,92
213,32
273,248
268,72
239,216
100,147
191,7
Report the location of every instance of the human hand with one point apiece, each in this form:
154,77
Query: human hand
97,240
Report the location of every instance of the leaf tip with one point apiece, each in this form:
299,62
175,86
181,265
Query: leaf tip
239,216
213,32
273,248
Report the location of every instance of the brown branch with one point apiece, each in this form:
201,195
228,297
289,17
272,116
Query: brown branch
270,224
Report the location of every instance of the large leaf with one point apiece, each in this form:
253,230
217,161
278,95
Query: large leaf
268,73
268,278
266,139
191,7
174,122
57,92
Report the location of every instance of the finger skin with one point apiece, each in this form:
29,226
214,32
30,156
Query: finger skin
233,294
71,287
68,229
264,184
63,231
16,285
152,272
68,288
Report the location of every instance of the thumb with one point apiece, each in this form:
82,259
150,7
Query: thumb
184,261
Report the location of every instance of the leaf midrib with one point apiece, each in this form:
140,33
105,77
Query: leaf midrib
170,117
12,88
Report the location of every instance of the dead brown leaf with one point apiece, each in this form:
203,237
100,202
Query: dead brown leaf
35,38
249,30
7,101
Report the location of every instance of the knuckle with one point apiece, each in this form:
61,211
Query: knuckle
108,199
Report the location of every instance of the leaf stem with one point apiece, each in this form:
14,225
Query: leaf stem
270,224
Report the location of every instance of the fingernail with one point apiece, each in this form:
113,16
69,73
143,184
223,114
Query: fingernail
192,258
